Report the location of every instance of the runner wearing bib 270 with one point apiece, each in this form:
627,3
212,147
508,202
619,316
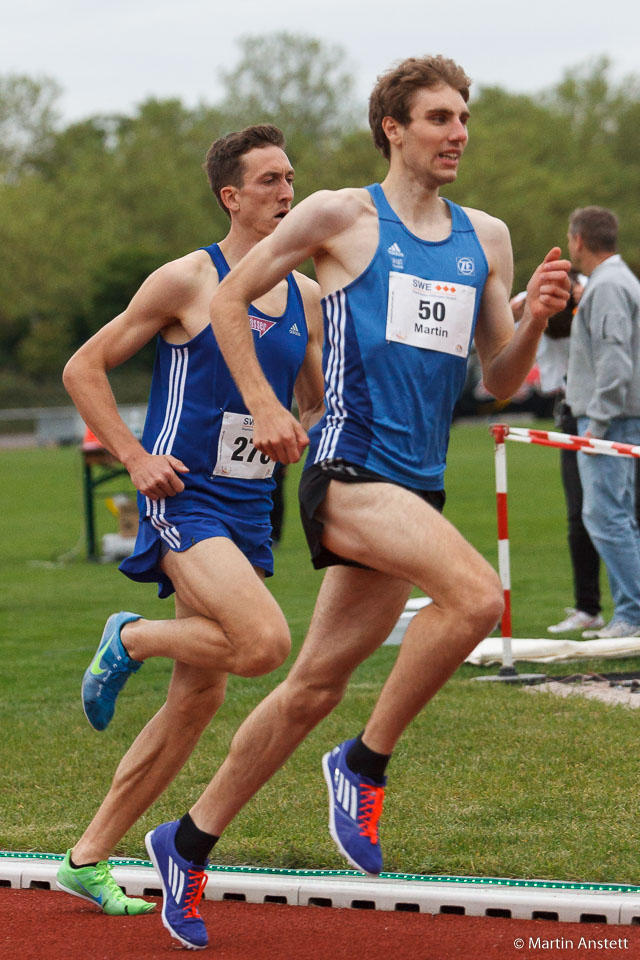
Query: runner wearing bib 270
204,493
197,414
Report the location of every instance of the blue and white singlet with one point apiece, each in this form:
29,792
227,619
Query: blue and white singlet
197,414
395,351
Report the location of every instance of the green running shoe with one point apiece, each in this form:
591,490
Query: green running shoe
96,884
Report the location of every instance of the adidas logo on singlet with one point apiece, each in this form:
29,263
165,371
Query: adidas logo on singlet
397,256
294,330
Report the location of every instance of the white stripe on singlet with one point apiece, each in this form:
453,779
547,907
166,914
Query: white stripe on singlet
175,399
336,413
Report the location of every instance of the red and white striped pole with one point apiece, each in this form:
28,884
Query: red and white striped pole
568,441
500,431
545,438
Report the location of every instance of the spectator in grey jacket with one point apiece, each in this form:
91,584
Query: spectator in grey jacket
603,391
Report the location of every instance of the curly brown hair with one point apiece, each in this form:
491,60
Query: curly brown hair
393,94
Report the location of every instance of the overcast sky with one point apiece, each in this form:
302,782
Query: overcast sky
110,55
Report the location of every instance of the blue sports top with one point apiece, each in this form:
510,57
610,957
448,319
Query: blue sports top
395,351
193,396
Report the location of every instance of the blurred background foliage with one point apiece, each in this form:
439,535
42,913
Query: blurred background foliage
89,209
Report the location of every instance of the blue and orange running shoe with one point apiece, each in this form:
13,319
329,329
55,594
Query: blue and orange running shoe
183,884
355,806
107,673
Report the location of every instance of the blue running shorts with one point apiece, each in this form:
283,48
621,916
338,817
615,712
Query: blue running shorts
180,530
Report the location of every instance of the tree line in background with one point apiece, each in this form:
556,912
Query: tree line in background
88,210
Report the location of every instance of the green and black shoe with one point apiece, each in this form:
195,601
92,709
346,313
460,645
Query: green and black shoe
96,884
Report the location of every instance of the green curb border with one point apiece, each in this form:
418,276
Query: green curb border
412,877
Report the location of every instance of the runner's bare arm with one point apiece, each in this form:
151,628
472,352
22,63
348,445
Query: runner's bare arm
301,234
309,386
507,354
157,303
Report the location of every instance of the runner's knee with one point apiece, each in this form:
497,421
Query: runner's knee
483,602
309,701
266,651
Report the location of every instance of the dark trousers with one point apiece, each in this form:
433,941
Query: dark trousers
585,561
277,512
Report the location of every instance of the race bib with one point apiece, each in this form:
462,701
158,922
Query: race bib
237,456
432,314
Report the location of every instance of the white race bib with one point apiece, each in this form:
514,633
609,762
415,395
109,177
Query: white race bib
237,456
432,314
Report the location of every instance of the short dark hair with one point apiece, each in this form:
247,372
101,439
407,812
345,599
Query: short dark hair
223,162
598,228
393,94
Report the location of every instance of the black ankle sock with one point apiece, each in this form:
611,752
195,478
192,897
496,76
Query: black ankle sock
79,866
193,844
360,759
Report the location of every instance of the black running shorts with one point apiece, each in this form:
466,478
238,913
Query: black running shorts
313,489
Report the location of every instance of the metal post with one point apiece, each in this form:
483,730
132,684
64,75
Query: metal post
89,511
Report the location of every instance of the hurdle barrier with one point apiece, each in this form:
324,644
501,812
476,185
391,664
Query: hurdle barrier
546,438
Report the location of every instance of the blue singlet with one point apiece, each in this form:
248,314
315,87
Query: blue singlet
395,361
193,398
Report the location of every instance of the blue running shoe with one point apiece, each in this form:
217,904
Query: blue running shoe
355,805
183,884
107,673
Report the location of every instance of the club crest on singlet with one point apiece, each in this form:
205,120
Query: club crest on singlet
260,325
466,266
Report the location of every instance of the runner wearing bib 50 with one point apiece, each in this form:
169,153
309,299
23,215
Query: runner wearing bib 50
405,276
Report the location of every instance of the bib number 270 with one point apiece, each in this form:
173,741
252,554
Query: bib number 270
241,444
237,456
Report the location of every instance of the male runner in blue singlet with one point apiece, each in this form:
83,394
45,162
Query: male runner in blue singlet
204,493
408,280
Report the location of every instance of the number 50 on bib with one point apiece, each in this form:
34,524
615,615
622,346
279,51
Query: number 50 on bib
431,314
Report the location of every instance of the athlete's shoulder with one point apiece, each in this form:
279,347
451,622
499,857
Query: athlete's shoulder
189,271
184,276
336,210
179,282
488,228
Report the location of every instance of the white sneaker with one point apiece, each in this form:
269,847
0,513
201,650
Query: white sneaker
613,630
577,620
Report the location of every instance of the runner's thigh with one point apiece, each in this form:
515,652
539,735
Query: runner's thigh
387,527
355,612
215,580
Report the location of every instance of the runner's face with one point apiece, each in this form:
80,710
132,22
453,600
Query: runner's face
434,139
266,194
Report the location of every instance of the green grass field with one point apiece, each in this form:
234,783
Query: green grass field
489,780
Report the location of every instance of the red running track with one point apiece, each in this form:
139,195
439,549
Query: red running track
48,925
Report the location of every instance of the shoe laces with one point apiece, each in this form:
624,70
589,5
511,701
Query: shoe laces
370,808
197,881
118,674
104,876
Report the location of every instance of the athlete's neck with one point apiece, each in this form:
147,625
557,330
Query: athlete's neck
236,244
420,207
